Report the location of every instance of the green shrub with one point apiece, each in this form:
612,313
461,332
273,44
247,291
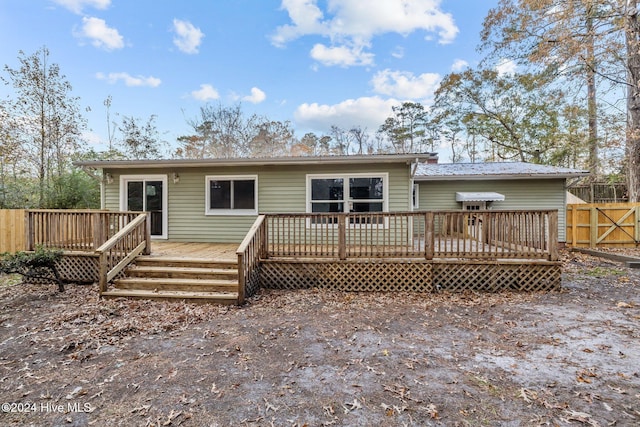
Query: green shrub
40,264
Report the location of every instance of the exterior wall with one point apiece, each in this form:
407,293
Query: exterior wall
519,194
280,189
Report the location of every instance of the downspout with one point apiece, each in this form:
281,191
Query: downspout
412,183
414,168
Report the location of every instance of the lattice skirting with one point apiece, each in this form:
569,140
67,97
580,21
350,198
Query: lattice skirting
422,276
74,267
497,276
347,276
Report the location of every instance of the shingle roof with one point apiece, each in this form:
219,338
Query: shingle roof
496,170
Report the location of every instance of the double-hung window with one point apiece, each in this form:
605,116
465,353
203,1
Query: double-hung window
231,195
355,193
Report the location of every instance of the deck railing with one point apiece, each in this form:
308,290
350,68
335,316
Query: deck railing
250,251
117,252
428,235
73,230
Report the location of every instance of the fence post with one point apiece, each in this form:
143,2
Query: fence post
553,236
593,227
342,236
29,231
429,237
574,226
636,225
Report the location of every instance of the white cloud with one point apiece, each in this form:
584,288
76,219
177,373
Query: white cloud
76,6
129,80
354,23
405,85
256,97
340,55
367,112
398,52
92,138
188,37
205,93
459,65
101,35
506,66
305,15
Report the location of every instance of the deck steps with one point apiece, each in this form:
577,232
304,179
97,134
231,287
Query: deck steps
225,298
168,261
171,278
182,272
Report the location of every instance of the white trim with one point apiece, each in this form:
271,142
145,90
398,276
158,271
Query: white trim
165,198
346,199
230,212
345,177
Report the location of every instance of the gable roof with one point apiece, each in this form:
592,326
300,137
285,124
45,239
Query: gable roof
262,161
495,170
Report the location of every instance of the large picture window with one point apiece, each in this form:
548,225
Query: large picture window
236,195
346,193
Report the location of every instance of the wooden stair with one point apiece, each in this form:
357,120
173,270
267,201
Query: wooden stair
168,278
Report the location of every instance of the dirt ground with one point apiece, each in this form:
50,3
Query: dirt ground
319,358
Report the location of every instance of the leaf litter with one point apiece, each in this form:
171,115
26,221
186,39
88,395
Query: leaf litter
317,357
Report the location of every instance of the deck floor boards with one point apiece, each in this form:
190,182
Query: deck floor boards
218,251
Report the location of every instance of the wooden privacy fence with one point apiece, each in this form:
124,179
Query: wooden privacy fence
12,230
427,235
603,225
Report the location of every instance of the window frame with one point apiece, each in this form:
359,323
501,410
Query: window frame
347,200
231,211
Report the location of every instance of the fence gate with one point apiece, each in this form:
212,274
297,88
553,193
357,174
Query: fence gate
12,230
603,225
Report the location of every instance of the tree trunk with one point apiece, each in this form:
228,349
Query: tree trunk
633,100
592,106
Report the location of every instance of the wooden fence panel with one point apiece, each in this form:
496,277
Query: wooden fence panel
12,230
596,225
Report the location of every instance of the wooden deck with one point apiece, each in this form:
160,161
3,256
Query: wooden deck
217,251
390,251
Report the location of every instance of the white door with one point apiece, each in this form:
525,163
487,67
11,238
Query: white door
146,194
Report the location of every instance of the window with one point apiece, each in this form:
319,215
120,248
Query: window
474,206
347,193
235,195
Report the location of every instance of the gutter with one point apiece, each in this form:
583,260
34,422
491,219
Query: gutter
496,177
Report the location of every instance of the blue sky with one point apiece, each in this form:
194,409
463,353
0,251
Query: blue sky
315,63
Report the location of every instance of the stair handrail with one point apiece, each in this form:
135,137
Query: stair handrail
121,249
250,251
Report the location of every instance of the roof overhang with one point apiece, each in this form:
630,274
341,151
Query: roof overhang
500,177
407,159
479,196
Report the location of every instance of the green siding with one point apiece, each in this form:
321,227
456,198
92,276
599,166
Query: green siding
280,190
532,194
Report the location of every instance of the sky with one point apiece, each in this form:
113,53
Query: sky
315,63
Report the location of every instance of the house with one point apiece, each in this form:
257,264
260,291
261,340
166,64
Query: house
398,222
217,200
499,186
